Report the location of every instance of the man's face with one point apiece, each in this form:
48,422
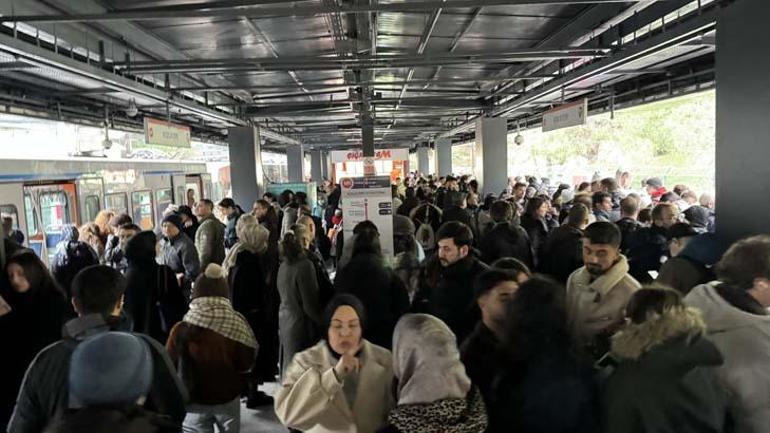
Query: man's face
519,192
169,230
452,185
650,189
676,245
226,211
449,253
493,303
669,217
606,204
202,209
123,236
259,211
599,258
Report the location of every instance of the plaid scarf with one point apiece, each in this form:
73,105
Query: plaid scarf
217,314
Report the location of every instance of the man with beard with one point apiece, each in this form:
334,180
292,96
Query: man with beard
598,292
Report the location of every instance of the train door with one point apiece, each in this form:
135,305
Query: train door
179,183
206,192
12,206
51,207
91,197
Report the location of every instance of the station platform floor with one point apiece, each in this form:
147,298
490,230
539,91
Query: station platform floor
262,420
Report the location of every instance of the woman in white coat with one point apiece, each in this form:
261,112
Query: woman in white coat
340,385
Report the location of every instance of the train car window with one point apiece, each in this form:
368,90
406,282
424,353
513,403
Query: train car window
163,198
142,209
91,203
54,209
181,193
31,214
117,202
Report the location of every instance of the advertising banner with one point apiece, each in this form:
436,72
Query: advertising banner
368,199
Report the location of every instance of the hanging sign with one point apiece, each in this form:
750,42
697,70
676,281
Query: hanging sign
368,199
164,133
565,116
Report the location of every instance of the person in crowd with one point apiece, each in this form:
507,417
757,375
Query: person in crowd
325,285
231,212
655,189
410,202
598,292
299,315
97,298
384,297
289,211
110,378
112,250
32,310
434,392
520,196
506,238
190,198
648,247
116,257
178,252
494,288
534,222
699,217
153,298
562,254
628,222
102,221
735,309
210,236
645,218
407,254
89,233
213,347
446,289
544,384
456,210
10,232
692,261
666,380
268,218
8,247
427,220
189,221
342,384
253,297
70,257
602,206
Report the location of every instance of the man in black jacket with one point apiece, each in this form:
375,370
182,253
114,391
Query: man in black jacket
563,252
649,246
98,297
446,289
506,238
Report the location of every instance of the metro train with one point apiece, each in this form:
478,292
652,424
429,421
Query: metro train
43,195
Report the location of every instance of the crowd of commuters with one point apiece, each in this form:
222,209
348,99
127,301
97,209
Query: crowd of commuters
541,309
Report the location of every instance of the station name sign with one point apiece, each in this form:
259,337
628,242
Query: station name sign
357,155
565,116
163,133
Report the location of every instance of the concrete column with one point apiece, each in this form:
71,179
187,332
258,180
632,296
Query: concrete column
423,155
246,174
326,165
490,154
316,166
742,129
295,160
444,156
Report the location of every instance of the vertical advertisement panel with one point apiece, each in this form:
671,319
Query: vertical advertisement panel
368,199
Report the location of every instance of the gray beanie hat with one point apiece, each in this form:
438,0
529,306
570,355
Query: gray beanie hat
110,369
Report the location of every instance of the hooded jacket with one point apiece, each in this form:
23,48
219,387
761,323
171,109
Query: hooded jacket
71,257
666,381
595,306
744,340
693,265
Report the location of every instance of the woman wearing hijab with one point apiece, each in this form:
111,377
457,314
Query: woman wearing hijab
667,378
32,311
342,384
434,393
212,348
543,385
153,298
245,268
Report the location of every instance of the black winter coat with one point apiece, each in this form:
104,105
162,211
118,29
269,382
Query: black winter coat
456,213
628,227
538,232
480,355
153,299
382,292
506,240
447,293
562,254
647,246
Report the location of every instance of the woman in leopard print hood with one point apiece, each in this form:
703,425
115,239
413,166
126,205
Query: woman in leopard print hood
434,393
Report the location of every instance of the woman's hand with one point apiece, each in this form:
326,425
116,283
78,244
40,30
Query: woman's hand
347,364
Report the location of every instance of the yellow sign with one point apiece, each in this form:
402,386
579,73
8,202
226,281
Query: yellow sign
164,133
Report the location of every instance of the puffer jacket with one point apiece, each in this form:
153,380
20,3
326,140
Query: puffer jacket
451,415
71,257
666,381
744,340
210,241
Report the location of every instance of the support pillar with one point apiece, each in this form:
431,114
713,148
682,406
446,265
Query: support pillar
490,154
246,175
423,162
742,128
444,156
295,160
316,166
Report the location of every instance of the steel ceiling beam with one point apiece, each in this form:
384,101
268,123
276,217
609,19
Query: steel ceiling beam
309,10
456,42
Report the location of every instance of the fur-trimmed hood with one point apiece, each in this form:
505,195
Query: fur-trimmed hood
634,340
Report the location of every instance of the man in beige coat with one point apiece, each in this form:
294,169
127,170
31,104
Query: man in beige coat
598,292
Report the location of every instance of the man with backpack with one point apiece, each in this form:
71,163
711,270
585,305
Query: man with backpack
71,257
97,298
